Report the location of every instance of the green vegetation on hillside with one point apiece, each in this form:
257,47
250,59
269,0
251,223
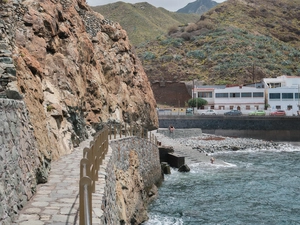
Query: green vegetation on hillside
235,42
142,21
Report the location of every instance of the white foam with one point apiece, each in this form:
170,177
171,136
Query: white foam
163,220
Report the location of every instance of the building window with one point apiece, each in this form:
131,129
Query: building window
212,107
234,95
287,95
246,95
221,107
204,94
221,95
289,107
278,107
296,95
247,107
231,107
274,96
258,94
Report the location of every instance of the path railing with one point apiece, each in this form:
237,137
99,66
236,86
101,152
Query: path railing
93,157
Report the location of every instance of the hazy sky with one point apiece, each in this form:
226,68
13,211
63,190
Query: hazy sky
171,5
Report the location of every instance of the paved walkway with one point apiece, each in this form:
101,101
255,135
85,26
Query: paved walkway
57,201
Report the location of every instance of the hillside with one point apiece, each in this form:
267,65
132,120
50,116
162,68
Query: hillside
235,42
142,21
198,7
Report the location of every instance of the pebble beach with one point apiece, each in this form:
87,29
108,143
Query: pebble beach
202,148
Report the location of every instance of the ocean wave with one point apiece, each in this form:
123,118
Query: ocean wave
162,220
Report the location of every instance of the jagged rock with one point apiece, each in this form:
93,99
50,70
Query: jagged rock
81,61
165,167
13,95
235,148
184,168
74,69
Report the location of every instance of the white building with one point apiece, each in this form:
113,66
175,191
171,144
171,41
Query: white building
240,97
283,93
227,98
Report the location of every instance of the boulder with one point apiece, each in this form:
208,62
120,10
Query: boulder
184,168
165,167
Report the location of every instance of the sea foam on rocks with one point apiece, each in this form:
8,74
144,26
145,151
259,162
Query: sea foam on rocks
212,143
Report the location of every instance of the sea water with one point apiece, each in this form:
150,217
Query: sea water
255,186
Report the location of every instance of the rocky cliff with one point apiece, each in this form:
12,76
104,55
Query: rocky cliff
74,69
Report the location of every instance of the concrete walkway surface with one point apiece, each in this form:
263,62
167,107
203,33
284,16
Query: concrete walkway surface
57,201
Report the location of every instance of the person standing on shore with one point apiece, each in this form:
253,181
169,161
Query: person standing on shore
171,130
212,160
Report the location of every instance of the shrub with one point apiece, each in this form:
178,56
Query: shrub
197,102
205,24
173,29
148,55
196,54
166,58
186,36
191,27
177,57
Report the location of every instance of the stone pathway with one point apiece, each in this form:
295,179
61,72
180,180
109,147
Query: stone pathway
57,201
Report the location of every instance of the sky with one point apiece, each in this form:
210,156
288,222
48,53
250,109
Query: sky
171,5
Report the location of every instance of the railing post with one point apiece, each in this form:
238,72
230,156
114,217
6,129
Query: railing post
120,126
110,131
115,133
85,201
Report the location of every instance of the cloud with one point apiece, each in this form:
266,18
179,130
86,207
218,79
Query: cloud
171,5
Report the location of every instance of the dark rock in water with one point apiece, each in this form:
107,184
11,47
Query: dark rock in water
184,168
235,148
164,151
165,167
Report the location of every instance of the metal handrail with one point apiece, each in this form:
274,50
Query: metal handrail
93,157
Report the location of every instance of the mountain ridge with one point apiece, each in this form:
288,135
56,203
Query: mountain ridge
232,43
198,7
143,21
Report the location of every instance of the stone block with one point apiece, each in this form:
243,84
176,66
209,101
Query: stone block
163,151
175,160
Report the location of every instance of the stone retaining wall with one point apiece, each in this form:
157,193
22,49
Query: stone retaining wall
147,167
269,127
180,133
18,159
7,40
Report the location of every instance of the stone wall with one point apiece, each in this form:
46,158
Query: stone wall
18,159
180,133
7,40
268,127
131,175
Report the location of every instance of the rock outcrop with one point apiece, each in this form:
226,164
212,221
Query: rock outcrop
74,70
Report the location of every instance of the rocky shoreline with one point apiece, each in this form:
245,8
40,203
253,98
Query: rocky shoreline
209,143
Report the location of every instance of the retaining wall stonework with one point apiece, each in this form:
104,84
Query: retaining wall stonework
148,168
180,133
285,128
18,159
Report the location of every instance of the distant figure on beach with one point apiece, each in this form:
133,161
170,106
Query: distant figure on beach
212,160
171,130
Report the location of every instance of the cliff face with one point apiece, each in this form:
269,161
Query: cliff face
74,69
